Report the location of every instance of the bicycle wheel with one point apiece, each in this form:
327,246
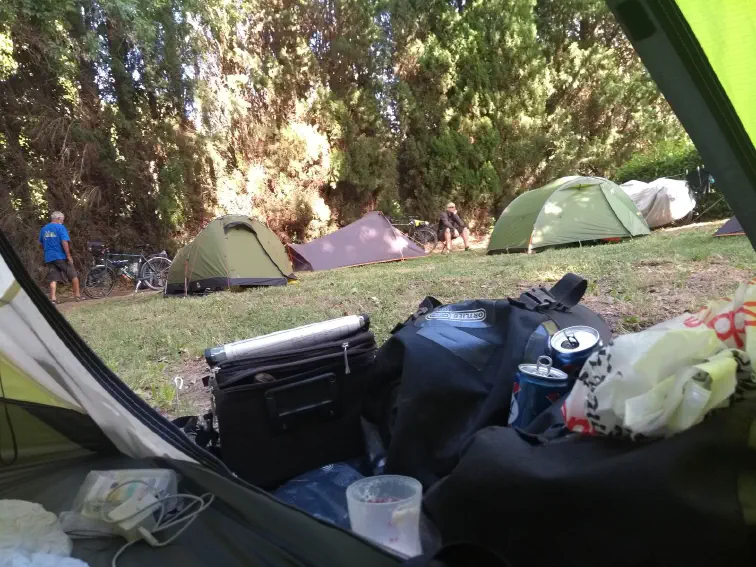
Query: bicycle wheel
154,272
99,282
427,238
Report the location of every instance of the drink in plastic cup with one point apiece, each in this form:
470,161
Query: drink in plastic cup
386,509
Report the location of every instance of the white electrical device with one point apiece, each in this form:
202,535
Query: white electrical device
102,491
135,504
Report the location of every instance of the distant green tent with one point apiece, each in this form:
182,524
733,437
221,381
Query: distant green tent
232,251
570,209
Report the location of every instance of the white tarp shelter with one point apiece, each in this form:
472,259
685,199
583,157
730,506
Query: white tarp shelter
662,201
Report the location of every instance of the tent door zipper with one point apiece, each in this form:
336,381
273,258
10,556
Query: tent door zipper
345,346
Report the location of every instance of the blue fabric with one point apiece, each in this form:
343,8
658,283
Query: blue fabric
51,237
322,492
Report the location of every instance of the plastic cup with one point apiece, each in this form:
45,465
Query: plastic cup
386,510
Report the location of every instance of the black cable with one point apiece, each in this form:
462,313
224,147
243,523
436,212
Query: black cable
10,427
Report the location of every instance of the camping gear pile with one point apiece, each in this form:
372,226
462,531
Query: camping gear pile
661,202
439,396
566,211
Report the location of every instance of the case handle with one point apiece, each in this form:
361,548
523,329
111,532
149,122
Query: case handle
288,405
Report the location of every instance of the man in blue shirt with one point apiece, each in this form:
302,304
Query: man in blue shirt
56,243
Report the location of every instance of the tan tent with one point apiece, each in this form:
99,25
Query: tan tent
367,241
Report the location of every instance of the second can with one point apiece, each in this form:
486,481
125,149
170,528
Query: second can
572,346
536,388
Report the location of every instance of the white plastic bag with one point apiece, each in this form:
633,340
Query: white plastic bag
667,378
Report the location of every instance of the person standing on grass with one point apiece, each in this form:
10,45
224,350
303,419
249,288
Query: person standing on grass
57,246
450,226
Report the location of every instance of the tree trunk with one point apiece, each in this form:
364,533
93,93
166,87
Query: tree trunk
123,83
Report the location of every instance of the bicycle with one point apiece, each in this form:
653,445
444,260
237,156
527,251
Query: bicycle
421,232
100,279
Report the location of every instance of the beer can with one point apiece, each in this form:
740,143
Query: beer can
536,388
571,347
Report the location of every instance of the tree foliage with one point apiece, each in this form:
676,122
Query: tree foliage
669,158
143,119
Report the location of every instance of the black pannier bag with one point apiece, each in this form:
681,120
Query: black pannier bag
95,248
283,414
448,371
582,501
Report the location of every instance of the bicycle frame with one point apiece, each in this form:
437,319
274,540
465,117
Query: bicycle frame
114,262
411,225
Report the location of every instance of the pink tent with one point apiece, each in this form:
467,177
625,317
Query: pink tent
369,240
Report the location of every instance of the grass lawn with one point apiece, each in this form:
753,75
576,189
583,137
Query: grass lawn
149,339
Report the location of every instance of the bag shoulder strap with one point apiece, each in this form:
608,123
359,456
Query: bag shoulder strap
426,306
570,289
565,294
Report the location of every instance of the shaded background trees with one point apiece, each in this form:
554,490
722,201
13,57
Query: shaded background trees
144,119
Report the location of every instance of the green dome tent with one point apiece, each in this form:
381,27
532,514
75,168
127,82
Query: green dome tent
569,209
231,251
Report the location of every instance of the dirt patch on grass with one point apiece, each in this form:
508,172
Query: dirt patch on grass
194,397
616,313
68,302
659,290
673,291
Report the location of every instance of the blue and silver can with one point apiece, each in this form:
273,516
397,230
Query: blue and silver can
536,388
571,347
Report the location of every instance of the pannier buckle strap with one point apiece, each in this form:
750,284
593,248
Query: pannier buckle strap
539,299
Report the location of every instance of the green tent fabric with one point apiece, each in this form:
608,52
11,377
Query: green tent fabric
569,209
231,251
702,55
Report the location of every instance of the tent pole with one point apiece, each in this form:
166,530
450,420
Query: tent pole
699,215
186,277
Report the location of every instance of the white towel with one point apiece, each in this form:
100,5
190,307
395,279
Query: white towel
19,559
30,536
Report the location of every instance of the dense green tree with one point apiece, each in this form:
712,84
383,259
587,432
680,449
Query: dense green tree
142,119
502,95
